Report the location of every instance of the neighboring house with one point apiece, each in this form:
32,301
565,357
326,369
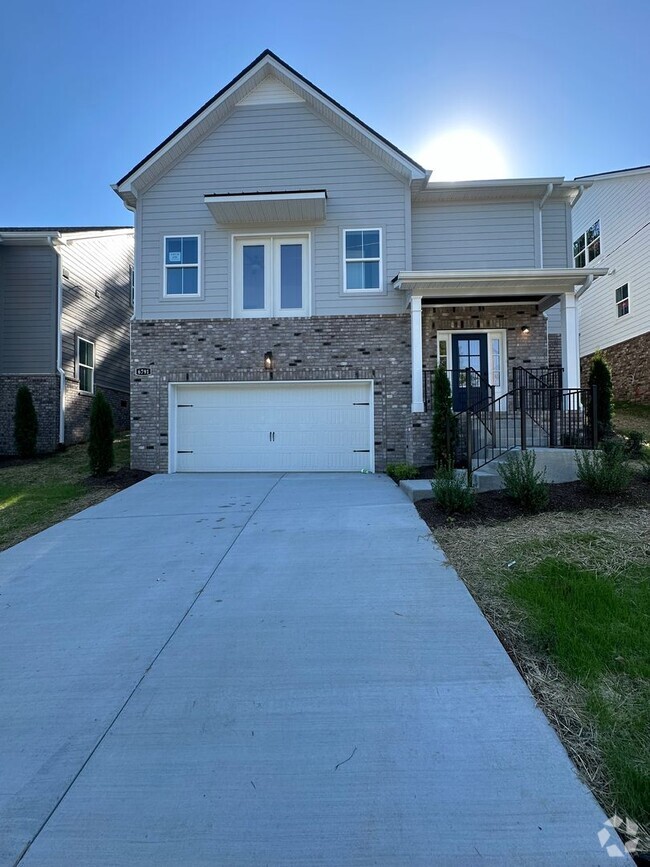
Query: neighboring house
65,306
297,275
611,229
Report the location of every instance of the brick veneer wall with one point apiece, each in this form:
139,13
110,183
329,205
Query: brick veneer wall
630,365
77,411
221,350
555,350
45,394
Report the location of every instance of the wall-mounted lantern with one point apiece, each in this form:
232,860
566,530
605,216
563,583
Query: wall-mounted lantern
268,363
525,329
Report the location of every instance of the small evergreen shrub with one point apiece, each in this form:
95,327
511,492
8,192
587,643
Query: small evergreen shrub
523,483
634,443
605,471
600,376
102,431
401,471
443,429
452,492
645,471
25,423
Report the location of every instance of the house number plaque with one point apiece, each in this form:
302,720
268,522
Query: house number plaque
143,371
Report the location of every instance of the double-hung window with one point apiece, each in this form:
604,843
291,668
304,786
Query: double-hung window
182,265
363,267
271,275
622,301
86,365
587,246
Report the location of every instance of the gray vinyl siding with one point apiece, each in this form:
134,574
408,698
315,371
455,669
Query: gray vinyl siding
473,235
27,309
97,306
262,148
555,216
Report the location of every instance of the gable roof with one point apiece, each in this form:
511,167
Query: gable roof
235,91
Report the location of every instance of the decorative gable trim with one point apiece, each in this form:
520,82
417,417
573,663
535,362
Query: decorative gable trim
270,92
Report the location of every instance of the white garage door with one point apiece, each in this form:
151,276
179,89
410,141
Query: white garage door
272,427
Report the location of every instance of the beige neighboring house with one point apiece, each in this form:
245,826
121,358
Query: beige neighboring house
65,307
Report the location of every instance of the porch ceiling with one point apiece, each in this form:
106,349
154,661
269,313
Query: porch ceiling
299,206
476,287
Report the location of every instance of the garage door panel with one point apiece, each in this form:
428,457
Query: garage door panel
273,427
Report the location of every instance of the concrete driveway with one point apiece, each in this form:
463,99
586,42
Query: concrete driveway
266,670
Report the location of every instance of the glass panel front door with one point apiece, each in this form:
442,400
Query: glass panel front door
469,378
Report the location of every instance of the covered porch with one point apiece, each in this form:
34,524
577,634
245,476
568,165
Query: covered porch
487,320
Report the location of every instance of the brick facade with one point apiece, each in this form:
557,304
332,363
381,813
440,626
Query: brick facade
77,411
376,347
45,394
630,365
555,350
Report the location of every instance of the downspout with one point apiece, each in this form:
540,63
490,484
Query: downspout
549,190
580,192
59,340
581,291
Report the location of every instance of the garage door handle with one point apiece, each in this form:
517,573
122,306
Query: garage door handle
365,451
367,403
186,452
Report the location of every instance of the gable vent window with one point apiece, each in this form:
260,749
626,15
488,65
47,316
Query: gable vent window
362,260
182,265
622,301
587,246
86,365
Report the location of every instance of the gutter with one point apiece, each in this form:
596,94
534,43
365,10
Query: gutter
54,243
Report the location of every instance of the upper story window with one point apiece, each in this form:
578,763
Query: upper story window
622,301
271,275
587,246
362,260
182,265
86,365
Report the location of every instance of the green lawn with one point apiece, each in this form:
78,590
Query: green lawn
569,596
37,493
632,416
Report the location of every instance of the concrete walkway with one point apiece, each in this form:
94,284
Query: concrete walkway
266,670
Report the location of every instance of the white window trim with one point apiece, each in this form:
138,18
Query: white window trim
585,249
79,365
199,276
500,333
380,288
629,307
271,288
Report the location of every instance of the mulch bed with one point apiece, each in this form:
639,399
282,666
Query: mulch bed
494,507
120,479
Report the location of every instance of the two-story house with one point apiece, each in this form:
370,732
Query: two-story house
65,306
611,229
297,275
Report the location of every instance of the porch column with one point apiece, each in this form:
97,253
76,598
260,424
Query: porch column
417,396
570,345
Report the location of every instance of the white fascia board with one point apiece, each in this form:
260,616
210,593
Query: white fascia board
607,176
31,238
100,233
497,182
571,276
263,197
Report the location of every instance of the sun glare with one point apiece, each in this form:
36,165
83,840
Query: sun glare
463,155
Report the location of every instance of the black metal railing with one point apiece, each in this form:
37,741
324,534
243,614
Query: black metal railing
463,377
539,378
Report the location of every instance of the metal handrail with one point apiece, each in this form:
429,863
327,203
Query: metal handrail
428,376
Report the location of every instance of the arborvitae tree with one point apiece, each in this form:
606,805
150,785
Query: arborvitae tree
600,376
102,429
25,423
443,433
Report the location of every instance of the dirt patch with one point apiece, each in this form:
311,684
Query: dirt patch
120,479
494,507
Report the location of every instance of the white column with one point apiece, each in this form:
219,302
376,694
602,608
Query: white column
417,396
570,346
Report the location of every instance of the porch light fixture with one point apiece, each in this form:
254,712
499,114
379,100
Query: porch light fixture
268,363
525,329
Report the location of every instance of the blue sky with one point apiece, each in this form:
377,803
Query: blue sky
89,88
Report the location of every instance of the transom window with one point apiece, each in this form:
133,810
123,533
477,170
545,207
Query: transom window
622,301
182,265
272,276
362,260
587,246
86,365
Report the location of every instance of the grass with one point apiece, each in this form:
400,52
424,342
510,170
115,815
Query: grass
569,596
632,416
34,494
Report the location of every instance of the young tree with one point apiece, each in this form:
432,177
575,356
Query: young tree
102,429
25,423
601,377
443,432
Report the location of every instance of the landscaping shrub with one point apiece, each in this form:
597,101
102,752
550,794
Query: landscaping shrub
102,430
601,377
25,423
402,471
634,443
605,471
524,484
443,429
645,471
452,492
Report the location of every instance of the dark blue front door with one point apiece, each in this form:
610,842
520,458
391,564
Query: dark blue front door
469,351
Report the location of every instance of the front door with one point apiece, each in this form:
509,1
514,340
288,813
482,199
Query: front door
469,351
